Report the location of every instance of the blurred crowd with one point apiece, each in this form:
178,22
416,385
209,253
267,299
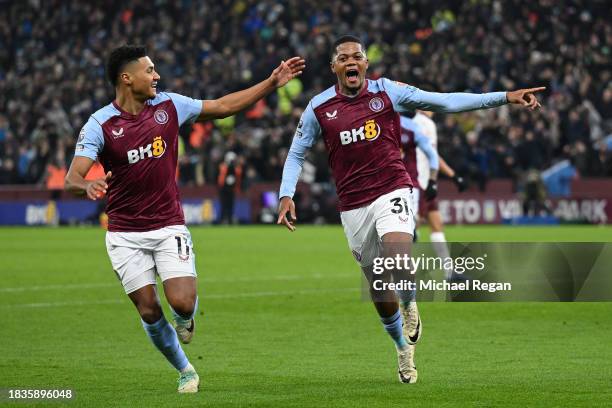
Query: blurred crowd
52,56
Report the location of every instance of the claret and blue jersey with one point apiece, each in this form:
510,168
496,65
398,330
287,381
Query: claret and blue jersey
141,151
363,136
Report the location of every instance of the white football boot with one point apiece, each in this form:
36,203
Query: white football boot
188,382
185,333
412,328
407,371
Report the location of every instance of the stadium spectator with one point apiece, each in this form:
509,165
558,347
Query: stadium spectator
52,76
229,182
55,174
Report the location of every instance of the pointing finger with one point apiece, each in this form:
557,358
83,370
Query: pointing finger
538,89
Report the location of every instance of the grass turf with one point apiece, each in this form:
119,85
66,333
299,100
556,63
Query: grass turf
283,325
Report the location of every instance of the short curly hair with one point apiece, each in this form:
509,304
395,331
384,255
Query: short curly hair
120,57
344,39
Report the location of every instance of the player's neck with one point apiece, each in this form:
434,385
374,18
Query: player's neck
127,102
351,93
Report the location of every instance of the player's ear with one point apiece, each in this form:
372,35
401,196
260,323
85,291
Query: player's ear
332,66
125,78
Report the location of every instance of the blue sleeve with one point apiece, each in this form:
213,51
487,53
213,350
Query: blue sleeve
188,109
424,144
90,141
568,172
408,98
306,134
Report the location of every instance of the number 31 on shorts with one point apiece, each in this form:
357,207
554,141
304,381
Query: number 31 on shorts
400,205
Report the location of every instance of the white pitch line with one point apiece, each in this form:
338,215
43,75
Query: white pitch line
277,278
71,286
58,287
57,304
280,293
203,297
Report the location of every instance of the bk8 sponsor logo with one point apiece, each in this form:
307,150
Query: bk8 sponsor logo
154,150
369,131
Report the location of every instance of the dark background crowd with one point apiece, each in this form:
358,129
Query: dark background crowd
52,56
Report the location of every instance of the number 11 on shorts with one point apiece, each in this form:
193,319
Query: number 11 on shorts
182,247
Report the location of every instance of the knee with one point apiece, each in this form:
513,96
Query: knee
383,296
150,313
184,307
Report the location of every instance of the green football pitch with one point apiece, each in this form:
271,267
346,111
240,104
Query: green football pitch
282,323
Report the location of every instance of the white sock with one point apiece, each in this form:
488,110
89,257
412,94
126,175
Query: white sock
187,368
438,240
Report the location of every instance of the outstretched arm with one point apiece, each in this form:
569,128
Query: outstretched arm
407,97
461,102
233,103
456,101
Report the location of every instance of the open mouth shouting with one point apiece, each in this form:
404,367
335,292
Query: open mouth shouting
352,76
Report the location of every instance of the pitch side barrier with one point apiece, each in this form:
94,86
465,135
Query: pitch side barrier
26,205
590,202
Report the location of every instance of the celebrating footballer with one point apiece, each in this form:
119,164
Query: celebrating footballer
136,139
359,121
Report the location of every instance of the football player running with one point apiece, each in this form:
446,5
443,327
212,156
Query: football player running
136,139
358,120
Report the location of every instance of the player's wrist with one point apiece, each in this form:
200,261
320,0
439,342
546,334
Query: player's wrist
89,188
272,83
78,186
